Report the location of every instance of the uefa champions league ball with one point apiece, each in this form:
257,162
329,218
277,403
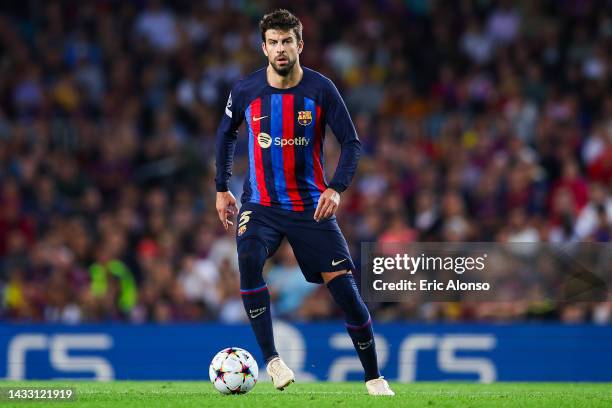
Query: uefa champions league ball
233,371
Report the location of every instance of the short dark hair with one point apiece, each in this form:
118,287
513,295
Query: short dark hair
280,19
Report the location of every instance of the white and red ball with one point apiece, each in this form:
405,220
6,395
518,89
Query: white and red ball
233,371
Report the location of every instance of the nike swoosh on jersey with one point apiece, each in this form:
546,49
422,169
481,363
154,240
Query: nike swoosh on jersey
335,263
258,118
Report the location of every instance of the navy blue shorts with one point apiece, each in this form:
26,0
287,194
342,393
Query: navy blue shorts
318,246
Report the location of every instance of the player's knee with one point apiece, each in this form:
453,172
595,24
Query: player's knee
328,276
252,251
252,255
344,291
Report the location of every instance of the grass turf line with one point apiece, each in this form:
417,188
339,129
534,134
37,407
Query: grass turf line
321,394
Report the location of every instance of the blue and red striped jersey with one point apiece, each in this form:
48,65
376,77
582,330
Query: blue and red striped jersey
286,130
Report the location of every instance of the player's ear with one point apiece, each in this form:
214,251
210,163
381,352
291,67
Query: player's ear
263,48
300,46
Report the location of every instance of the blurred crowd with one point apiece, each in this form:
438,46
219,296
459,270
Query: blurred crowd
480,121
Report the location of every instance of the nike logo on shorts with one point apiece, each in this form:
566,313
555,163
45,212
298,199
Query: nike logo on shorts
335,263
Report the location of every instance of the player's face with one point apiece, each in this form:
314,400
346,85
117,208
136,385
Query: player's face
282,49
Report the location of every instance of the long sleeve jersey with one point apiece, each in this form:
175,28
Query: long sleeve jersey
286,130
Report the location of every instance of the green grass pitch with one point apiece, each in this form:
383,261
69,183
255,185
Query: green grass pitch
202,394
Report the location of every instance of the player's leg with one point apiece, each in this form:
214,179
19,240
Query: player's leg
323,254
252,255
343,289
256,241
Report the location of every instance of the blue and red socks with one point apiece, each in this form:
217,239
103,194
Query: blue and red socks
255,296
358,322
257,305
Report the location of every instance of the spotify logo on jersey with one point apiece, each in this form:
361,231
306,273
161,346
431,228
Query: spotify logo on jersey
264,140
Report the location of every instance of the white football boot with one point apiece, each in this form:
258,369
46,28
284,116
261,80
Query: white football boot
281,375
379,386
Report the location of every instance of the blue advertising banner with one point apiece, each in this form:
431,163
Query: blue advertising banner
407,352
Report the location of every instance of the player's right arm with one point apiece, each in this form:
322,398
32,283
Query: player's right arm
224,154
350,149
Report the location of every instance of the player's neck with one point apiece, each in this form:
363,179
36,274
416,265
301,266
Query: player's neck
288,81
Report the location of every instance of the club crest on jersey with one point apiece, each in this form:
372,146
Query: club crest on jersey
305,118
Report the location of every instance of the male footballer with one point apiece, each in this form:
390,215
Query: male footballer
286,108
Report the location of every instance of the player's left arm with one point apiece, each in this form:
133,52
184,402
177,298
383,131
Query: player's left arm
340,122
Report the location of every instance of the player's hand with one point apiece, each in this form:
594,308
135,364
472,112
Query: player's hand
226,208
328,204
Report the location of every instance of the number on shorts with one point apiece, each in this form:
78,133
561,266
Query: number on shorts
244,218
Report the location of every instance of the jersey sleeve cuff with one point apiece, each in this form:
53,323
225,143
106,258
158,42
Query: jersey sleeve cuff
338,187
222,187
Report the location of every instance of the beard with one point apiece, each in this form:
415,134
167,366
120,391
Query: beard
284,70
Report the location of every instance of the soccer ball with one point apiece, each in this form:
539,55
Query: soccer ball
233,371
